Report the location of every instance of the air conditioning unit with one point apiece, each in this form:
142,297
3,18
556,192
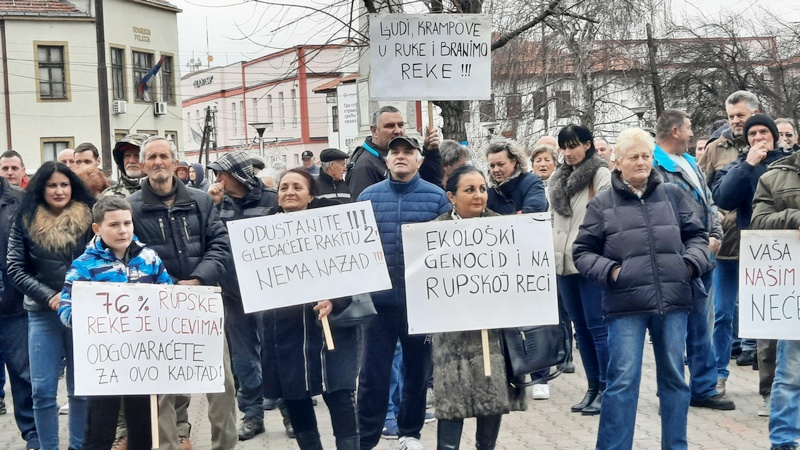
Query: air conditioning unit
119,107
160,108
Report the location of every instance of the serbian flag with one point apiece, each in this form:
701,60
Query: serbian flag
144,83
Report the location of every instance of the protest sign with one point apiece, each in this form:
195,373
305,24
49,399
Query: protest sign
304,256
483,273
430,56
769,298
138,339
347,102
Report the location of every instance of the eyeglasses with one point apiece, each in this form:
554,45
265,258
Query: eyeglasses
786,134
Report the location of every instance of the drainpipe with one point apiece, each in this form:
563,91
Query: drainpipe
6,98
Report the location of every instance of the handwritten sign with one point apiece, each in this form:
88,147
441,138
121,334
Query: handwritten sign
769,297
304,256
430,56
483,273
138,339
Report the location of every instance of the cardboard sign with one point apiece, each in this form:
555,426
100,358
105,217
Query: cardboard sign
305,256
430,57
482,273
769,297
139,339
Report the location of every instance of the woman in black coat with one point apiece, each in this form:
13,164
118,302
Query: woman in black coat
52,228
304,367
642,241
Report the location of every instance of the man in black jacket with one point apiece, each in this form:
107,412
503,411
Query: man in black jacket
183,226
239,194
331,182
368,162
14,326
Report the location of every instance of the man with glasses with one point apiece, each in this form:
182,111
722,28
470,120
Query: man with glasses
331,182
788,136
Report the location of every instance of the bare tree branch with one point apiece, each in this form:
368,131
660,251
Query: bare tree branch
506,37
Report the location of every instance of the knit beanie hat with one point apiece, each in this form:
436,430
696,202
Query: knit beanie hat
765,120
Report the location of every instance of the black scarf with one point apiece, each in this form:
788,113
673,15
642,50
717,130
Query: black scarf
568,181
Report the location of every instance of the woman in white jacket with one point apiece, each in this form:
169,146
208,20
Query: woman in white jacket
573,185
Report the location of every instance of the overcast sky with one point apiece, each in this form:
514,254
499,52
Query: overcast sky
272,28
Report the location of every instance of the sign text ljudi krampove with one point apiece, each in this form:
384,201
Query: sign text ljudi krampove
137,339
430,56
769,296
484,273
304,256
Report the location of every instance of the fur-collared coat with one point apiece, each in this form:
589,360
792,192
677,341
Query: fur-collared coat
462,389
41,252
569,197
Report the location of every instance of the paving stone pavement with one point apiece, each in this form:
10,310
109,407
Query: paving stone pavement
546,425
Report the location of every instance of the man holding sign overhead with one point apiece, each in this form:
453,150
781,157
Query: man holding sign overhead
402,198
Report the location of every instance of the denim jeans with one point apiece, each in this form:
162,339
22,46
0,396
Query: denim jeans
626,335
245,348
726,289
396,385
14,345
49,341
699,348
380,342
784,403
583,300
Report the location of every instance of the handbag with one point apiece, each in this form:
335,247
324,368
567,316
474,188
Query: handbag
531,349
360,311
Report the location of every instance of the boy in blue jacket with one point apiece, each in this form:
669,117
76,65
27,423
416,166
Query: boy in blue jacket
115,255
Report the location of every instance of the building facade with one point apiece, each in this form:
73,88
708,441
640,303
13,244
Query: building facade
276,91
49,72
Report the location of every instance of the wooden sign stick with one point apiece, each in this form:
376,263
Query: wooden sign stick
154,419
487,366
326,329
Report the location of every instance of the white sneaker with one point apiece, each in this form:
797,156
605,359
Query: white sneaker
541,392
763,410
64,410
410,443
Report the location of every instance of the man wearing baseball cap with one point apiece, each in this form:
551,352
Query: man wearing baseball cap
404,197
309,164
331,183
239,194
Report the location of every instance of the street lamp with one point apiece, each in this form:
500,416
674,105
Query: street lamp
260,128
640,112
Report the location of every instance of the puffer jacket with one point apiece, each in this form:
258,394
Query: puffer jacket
565,227
331,189
41,252
396,203
776,204
366,169
704,207
642,238
719,154
10,199
735,185
525,193
257,202
98,263
462,389
188,236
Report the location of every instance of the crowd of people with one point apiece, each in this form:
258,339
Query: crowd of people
645,238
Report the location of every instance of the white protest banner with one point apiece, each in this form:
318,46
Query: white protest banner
430,56
482,273
769,297
304,256
138,339
347,102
